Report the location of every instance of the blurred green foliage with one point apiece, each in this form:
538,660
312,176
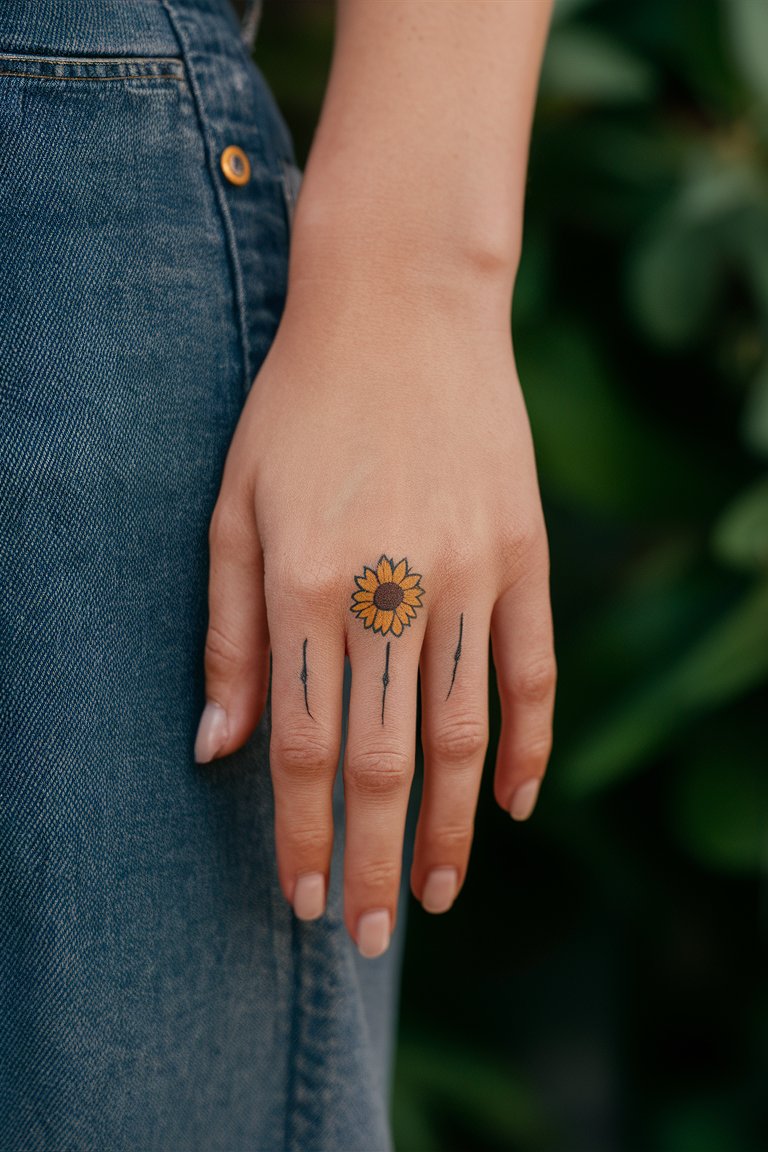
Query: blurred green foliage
600,983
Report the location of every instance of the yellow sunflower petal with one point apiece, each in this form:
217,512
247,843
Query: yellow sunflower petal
364,594
408,609
368,615
383,621
384,570
402,612
397,624
410,581
411,596
399,572
367,580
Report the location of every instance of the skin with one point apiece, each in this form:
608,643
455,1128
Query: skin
388,420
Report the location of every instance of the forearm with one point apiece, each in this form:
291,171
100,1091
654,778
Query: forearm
417,171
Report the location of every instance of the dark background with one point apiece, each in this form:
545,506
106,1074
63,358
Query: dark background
599,984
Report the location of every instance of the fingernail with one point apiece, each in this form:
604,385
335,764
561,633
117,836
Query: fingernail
439,890
309,896
373,933
524,800
211,734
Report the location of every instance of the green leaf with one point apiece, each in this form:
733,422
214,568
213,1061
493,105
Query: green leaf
756,411
731,659
413,1127
673,280
718,191
719,806
750,234
587,66
594,448
487,1093
741,536
676,270
703,1123
566,9
748,22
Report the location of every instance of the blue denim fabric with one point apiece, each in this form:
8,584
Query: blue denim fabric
156,990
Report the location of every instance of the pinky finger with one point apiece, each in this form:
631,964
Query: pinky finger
523,655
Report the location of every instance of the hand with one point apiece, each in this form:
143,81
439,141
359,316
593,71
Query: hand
380,498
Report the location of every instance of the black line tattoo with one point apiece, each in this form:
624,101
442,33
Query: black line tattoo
457,653
303,676
385,681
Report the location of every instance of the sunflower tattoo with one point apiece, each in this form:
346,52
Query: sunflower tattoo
387,597
386,601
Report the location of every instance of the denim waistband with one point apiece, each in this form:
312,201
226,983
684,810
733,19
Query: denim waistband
118,27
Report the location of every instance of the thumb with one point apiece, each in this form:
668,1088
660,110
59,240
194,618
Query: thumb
237,642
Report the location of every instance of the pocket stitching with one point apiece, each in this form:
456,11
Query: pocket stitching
91,67
126,76
37,57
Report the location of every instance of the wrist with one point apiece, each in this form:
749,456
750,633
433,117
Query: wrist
372,248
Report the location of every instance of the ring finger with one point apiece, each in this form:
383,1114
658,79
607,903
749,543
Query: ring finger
454,728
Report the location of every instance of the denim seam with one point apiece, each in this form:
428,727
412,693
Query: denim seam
86,61
250,24
229,231
294,1032
102,79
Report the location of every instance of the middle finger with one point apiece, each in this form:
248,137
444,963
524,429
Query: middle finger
385,633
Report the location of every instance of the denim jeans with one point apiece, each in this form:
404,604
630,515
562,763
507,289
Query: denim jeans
156,990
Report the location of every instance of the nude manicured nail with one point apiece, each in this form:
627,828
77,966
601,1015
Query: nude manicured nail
439,890
211,734
373,933
524,800
309,896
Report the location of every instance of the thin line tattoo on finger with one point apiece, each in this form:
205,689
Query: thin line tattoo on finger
386,599
385,681
303,675
457,653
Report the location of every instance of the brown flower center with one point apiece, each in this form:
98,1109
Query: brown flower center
388,596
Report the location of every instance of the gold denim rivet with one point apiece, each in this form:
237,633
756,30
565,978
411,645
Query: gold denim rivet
235,165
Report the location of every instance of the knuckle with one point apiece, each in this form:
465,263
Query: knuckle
303,757
522,543
453,840
535,684
307,843
463,740
377,875
378,774
222,653
459,559
317,584
226,526
532,759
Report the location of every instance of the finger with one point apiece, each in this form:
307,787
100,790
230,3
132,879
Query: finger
454,729
237,640
307,692
523,655
384,647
